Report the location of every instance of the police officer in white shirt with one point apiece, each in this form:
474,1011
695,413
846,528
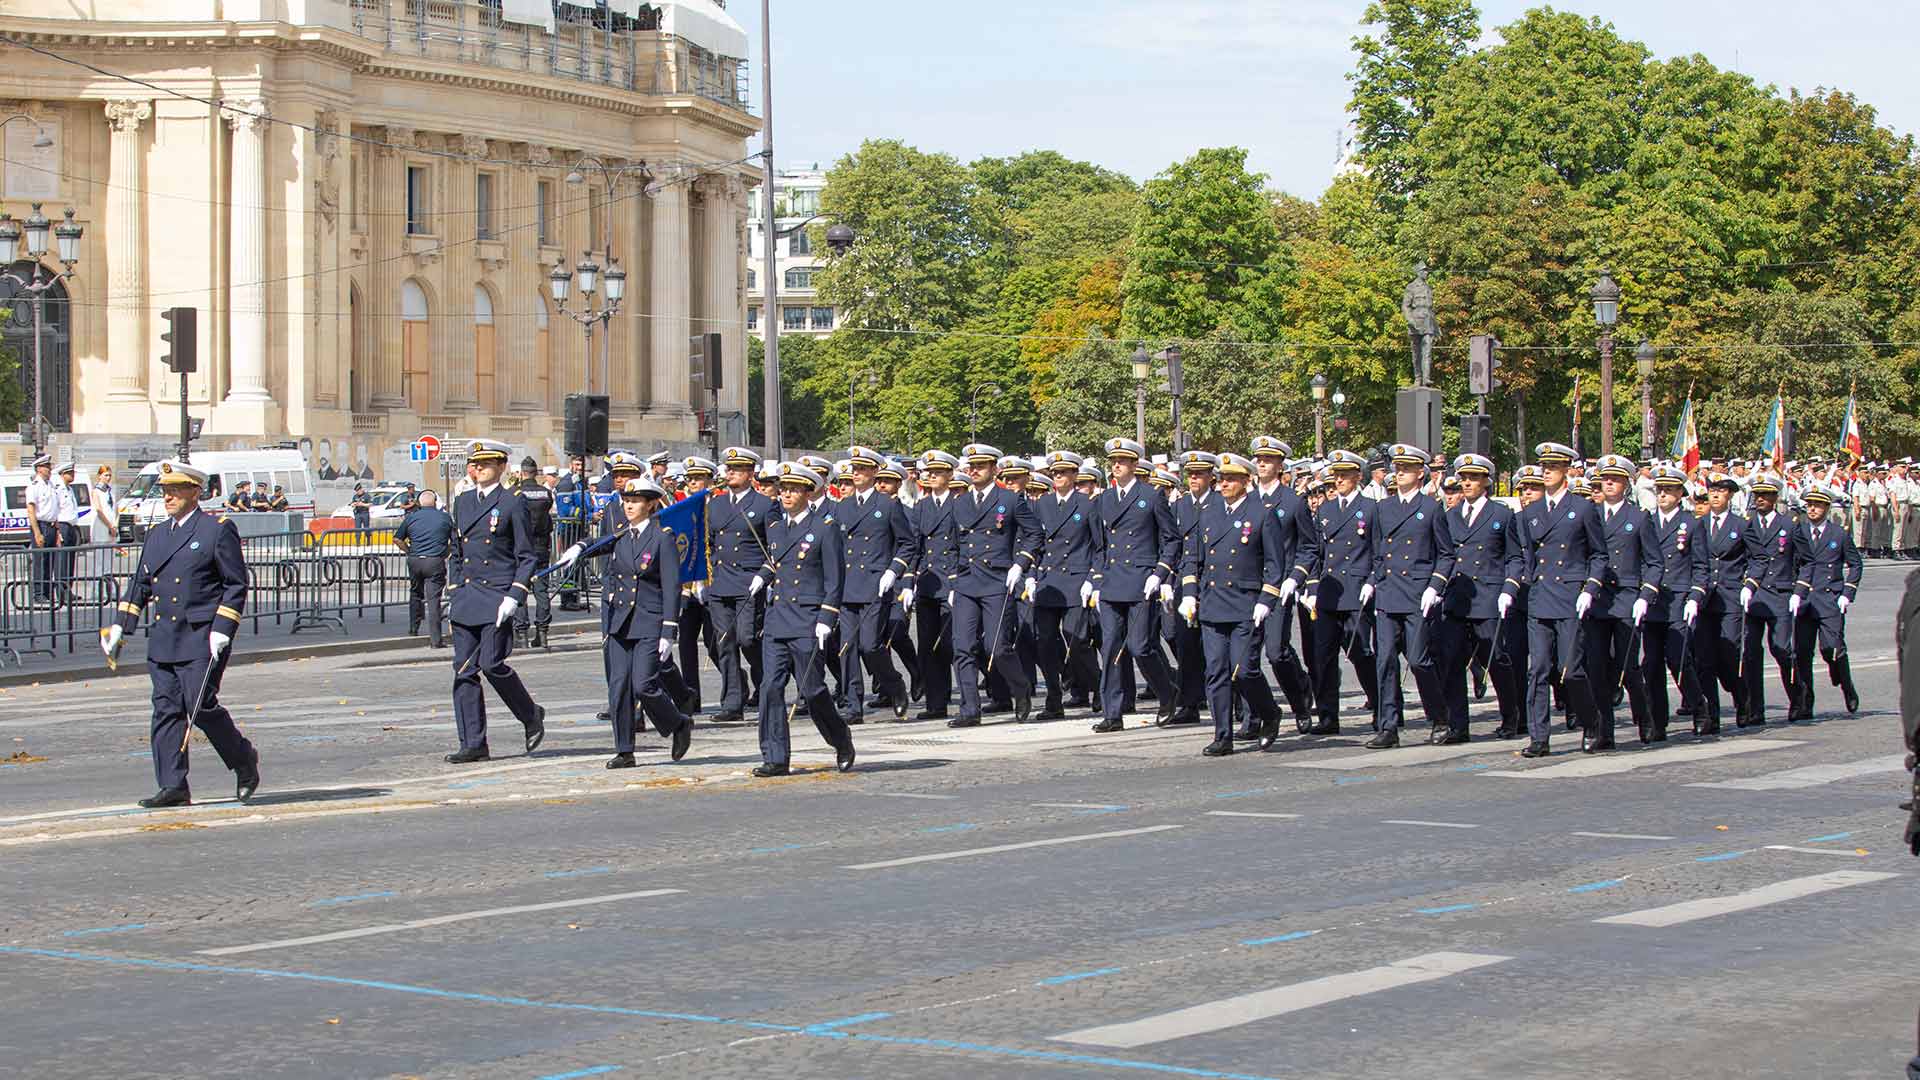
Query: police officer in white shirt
43,520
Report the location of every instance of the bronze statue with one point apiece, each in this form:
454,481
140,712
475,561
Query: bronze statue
1416,306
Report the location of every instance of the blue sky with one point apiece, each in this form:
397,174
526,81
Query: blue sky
1137,84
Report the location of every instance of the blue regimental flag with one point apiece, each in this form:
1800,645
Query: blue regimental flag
688,520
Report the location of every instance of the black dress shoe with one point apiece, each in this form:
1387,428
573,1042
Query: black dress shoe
1325,727
931,714
1449,737
1385,740
729,718
1595,746
1535,750
246,780
915,690
753,700
845,759
1269,730
1750,721
1852,696
1656,733
764,771
877,700
1247,732
1218,748
852,718
682,738
622,760
964,721
1165,715
1050,712
1303,723
1479,683
1573,724
537,731
901,703
1022,709
603,716
1108,727
997,707
1187,716
469,755
165,797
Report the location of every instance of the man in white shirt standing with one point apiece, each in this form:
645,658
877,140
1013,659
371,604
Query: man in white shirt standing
43,520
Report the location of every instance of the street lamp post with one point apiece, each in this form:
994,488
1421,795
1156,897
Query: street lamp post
1176,383
67,235
610,175
873,381
1319,414
1142,367
973,409
1339,410
1643,359
589,273
1606,312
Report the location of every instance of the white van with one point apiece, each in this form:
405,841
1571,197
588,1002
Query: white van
13,507
142,507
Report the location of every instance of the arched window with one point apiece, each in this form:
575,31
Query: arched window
800,277
483,358
16,335
416,345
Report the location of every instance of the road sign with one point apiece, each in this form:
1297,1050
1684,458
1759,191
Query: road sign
424,448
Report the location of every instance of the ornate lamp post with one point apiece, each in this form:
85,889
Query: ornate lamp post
1142,368
1606,312
1175,385
1643,359
67,235
610,176
590,275
1319,414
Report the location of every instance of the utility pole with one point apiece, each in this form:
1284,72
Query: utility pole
769,308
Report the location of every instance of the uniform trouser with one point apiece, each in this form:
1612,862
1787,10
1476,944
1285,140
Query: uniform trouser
1716,643
798,660
489,646
737,622
633,678
934,623
362,526
1336,632
901,641
1556,644
1411,633
46,554
1663,645
1065,649
1232,651
1127,626
1190,663
863,643
426,580
1026,642
174,685
1897,527
1778,634
983,634
63,559
537,607
695,626
1829,633
1288,673
1610,657
1459,639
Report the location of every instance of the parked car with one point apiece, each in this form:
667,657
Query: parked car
141,507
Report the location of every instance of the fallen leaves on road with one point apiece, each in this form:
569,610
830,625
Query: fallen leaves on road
170,826
560,802
1720,828
333,1020
21,757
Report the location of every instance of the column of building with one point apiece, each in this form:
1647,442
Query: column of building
721,309
247,254
126,255
667,272
460,272
387,236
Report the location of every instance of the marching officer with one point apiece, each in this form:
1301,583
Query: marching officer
193,573
1774,569
538,612
1339,597
488,565
881,548
927,586
1231,578
1198,467
890,479
1721,638
1139,555
994,537
1567,560
1301,550
1071,545
1629,589
696,618
1829,579
1413,561
1666,644
737,520
1477,607
802,578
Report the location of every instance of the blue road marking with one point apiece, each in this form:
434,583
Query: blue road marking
475,783
1102,810
783,847
1075,977
1058,1056
1473,768
314,738
962,827
1446,909
1829,837
1596,886
1240,794
830,1028
580,873
332,900
105,929
1295,936
1355,780
1720,858
597,1070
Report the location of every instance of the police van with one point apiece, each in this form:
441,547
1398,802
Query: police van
14,530
142,507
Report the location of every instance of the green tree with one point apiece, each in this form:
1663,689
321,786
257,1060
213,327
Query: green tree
13,400
1397,79
1206,252
1102,404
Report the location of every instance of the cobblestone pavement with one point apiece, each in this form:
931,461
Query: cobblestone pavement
1002,902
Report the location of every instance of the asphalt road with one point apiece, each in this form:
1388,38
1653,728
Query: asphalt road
1003,902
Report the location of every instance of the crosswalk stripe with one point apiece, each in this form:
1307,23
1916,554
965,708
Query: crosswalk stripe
1406,755
1629,761
998,848
1792,889
1813,775
438,920
1850,853
1264,1004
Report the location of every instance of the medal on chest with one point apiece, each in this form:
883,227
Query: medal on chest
493,520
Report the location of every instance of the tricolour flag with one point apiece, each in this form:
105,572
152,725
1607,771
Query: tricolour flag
1849,443
1773,443
1686,439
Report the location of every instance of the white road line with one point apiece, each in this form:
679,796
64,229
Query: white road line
1850,853
998,848
1264,1004
1792,889
438,920
1622,836
1620,762
1251,813
1430,824
912,795
1079,806
1405,756
1814,775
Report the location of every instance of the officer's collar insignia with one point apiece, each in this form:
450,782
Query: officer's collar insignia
1569,515
1142,504
1419,515
1629,526
1496,526
1076,515
809,538
877,513
195,546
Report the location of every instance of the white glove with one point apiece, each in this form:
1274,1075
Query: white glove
1639,610
886,582
1366,594
948,599
821,632
666,649
754,586
700,591
1288,590
1793,605
1260,613
1746,598
1013,576
569,557
1690,611
1027,593
1311,602
1086,592
1153,586
1166,594
1582,604
906,599
1429,600
508,606
216,643
1505,604
110,643
1843,602
1189,607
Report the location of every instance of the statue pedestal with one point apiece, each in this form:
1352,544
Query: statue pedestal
1416,411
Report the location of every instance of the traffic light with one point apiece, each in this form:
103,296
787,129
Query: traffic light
586,424
1483,359
706,360
1476,434
181,354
